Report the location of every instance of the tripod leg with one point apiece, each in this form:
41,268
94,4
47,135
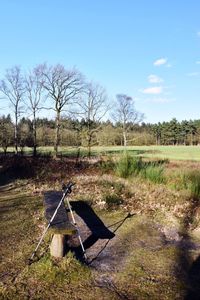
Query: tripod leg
75,224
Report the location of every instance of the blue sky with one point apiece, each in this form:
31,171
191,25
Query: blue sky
149,50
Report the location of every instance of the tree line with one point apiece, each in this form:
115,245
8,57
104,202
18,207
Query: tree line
177,133
74,132
80,109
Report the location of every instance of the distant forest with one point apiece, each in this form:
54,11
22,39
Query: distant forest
73,132
85,106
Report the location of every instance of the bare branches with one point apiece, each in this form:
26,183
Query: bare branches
12,87
92,108
62,86
125,110
34,92
93,105
125,113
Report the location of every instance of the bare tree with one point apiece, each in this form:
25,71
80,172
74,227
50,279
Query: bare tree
126,113
62,86
93,108
34,93
12,88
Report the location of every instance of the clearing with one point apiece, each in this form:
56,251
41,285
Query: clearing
145,246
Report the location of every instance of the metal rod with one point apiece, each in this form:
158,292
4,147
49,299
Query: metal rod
66,191
75,224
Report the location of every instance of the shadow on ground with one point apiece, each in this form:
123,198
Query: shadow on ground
193,291
40,168
188,270
93,230
15,167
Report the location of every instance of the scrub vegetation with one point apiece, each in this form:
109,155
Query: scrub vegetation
151,207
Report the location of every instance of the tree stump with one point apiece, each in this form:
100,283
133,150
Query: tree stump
57,247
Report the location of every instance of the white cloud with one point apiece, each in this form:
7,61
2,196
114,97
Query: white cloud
198,33
153,90
198,62
192,74
154,79
160,62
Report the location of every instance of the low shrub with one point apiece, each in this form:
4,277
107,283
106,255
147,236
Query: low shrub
112,200
117,186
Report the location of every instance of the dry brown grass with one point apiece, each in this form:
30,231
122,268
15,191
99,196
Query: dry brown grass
139,263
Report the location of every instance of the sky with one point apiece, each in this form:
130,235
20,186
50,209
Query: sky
146,49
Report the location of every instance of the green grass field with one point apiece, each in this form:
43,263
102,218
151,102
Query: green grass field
170,152
191,153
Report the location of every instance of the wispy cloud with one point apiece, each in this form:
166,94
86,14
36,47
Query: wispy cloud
198,33
168,65
154,79
198,62
160,61
160,100
192,74
156,90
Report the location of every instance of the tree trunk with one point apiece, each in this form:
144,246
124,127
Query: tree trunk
125,139
16,133
5,150
157,139
57,135
124,134
89,137
89,147
191,139
34,135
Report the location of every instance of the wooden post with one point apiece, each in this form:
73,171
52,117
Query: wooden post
57,245
60,226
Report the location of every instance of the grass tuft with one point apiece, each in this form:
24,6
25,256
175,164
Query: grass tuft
191,181
154,174
128,165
